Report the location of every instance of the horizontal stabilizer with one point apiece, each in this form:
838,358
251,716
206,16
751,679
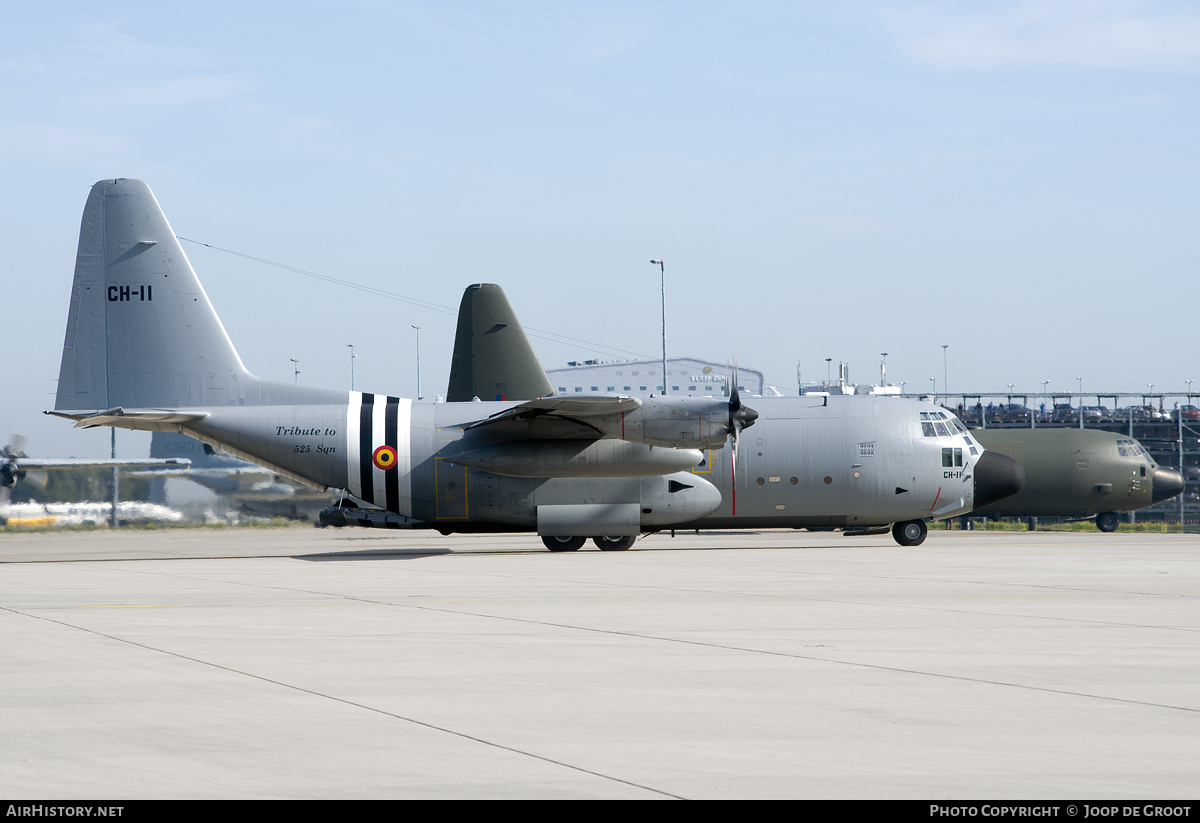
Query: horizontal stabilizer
137,419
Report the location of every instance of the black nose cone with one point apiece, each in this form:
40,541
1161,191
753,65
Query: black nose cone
997,476
1167,484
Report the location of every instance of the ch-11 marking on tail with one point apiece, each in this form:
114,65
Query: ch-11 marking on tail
609,467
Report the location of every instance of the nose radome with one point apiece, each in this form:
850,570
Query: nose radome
997,476
1167,484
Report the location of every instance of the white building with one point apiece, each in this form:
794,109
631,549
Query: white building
685,375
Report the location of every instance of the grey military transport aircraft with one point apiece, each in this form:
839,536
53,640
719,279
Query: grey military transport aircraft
144,349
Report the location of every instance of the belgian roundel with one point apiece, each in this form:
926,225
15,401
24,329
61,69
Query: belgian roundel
384,457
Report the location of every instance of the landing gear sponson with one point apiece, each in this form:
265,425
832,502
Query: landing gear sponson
908,533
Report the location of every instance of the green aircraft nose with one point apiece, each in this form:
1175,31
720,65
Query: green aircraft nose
1167,484
997,476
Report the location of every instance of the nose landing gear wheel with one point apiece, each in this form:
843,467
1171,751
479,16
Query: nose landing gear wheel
563,544
614,544
910,532
1108,521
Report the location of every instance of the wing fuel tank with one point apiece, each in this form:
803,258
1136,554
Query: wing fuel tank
577,458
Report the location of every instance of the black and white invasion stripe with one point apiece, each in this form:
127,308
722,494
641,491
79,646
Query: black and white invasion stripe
373,421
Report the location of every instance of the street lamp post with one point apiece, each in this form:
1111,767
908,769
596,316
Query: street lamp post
945,369
296,370
1080,379
418,328
114,518
351,347
663,272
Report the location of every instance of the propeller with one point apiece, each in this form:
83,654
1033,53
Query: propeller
740,417
10,471
9,456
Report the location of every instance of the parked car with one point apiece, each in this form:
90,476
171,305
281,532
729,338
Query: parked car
1013,413
1139,413
1188,413
1064,413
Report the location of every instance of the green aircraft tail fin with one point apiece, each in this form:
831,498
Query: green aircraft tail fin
492,356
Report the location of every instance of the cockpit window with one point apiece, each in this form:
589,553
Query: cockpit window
1130,448
940,424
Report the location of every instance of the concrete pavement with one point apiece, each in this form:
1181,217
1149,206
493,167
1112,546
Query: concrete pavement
297,663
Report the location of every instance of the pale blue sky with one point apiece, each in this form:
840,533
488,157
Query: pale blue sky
823,180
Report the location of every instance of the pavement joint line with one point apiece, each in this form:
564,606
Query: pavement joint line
344,701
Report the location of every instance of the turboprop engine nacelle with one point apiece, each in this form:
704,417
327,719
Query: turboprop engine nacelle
675,422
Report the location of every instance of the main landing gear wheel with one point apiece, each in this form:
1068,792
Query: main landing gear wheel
910,532
1108,521
614,544
564,544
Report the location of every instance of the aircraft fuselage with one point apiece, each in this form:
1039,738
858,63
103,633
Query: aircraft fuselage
1078,473
807,461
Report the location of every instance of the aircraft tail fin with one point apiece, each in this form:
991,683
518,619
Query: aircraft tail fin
493,359
165,444
141,332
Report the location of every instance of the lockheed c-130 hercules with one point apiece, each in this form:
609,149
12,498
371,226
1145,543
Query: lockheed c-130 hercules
1078,473
144,349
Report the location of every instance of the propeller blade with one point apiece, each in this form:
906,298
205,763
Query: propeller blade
16,443
740,416
733,465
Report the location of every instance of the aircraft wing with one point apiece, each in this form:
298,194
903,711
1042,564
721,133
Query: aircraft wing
578,408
